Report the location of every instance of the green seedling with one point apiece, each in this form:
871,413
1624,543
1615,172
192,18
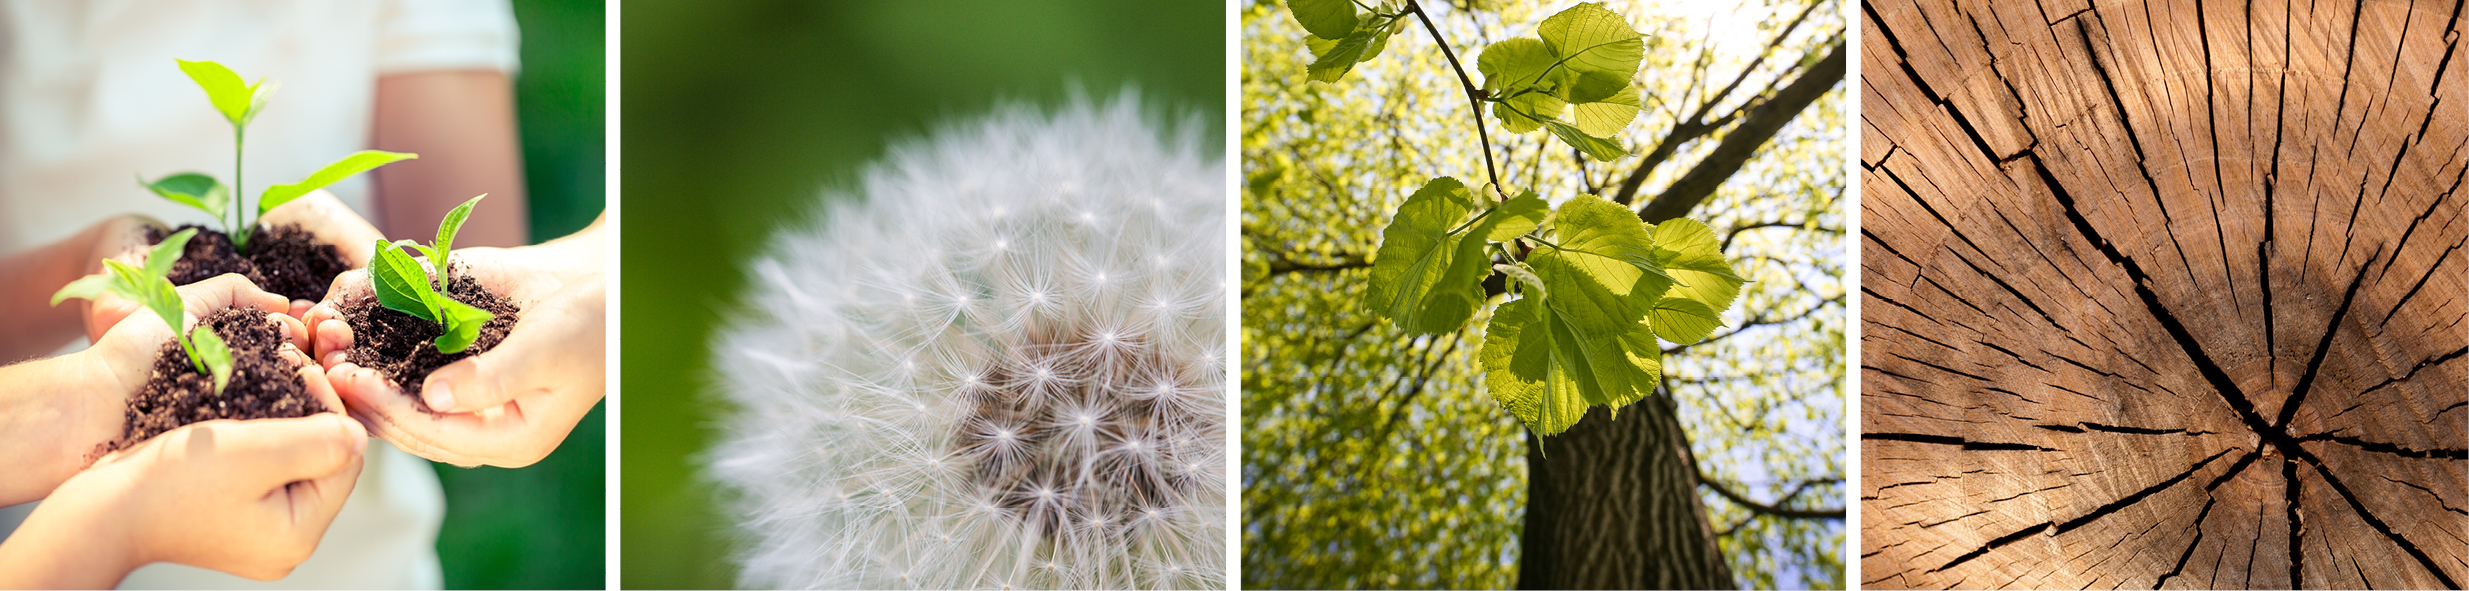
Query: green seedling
239,102
149,285
403,286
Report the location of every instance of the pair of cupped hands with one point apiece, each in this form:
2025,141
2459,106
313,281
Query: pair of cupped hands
509,406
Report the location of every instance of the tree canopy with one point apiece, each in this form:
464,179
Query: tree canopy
1373,457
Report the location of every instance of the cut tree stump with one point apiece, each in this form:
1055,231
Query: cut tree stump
2165,294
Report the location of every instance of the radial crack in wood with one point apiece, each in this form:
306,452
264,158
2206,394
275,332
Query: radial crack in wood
2165,294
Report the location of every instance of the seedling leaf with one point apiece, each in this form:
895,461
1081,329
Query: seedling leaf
194,190
358,162
160,259
128,281
210,355
444,251
87,287
231,96
401,284
462,325
153,292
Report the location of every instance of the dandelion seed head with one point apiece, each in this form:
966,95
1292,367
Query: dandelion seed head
981,370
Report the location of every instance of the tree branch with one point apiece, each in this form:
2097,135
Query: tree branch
1757,322
1738,230
1474,96
1743,142
1765,509
1282,265
1695,125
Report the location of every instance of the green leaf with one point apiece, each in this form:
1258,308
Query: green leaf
1591,87
1683,320
1589,38
210,355
1540,368
1326,19
1602,293
1461,286
356,163
87,287
1601,149
153,292
1515,218
234,98
462,325
401,284
1607,115
1524,275
1416,253
194,190
160,259
1515,72
445,235
1336,58
1690,252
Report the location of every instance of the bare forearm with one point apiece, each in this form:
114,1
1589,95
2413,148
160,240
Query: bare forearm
63,545
461,123
49,422
582,253
29,324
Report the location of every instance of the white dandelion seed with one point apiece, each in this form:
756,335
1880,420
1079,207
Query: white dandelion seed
989,368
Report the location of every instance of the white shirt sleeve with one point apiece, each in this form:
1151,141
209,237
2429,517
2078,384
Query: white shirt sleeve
416,35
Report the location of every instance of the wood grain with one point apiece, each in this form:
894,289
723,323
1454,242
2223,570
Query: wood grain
2165,294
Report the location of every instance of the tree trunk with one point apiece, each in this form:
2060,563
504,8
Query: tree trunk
1612,504
2165,295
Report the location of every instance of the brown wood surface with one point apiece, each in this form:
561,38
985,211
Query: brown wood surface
2165,294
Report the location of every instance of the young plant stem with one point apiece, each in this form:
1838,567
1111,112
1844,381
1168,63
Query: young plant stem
1474,96
240,233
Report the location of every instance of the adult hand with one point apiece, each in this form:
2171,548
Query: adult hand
334,223
59,410
509,406
318,212
121,238
326,217
251,498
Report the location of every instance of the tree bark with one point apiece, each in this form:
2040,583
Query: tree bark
2166,294
1612,504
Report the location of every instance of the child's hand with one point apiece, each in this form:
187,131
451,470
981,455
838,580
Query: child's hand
507,407
251,498
514,404
121,238
321,214
86,401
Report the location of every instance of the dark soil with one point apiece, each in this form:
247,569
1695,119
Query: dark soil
263,385
399,345
283,259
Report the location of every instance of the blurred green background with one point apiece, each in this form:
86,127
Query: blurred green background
738,114
543,526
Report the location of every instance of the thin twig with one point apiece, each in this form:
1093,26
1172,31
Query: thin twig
1762,508
1474,96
